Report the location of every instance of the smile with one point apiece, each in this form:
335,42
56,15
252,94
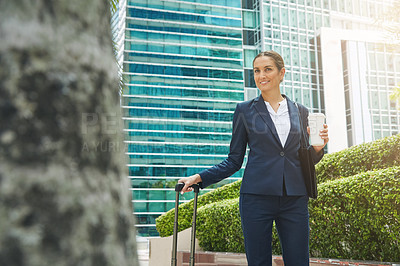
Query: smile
264,82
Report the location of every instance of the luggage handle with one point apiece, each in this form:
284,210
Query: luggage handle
178,188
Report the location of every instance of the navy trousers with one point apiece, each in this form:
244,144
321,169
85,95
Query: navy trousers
290,214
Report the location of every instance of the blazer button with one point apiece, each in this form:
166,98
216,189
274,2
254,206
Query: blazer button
282,154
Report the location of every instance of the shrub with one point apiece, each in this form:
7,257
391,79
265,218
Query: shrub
219,228
165,223
374,155
358,217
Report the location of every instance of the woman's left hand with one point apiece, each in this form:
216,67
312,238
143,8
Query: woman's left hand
324,135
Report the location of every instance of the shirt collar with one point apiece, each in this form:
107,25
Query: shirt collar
282,106
284,101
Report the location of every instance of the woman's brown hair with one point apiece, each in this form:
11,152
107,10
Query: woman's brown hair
278,60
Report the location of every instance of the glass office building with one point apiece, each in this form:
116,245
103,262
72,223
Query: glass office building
370,114
187,63
183,66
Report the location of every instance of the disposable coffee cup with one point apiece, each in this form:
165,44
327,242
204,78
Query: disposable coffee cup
316,123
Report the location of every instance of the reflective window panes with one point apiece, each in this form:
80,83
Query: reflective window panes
181,103
183,39
168,159
310,21
189,28
180,17
267,14
185,7
304,60
249,78
175,92
384,98
275,15
295,57
249,19
182,82
171,125
285,36
190,115
293,18
325,4
249,56
284,17
249,37
182,71
302,19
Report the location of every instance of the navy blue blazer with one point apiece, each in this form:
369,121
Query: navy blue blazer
270,165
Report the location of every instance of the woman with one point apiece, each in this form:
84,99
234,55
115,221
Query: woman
272,186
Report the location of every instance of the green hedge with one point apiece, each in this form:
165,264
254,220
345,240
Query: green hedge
355,217
358,217
165,222
374,155
219,228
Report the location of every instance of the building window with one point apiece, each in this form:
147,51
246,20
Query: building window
249,78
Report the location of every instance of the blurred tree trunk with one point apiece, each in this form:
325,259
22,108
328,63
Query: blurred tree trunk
64,197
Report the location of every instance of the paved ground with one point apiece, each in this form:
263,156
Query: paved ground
143,253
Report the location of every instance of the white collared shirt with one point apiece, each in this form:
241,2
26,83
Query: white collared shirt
281,120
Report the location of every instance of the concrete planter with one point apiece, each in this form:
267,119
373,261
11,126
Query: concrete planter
160,248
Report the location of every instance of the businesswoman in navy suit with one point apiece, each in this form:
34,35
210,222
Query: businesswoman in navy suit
272,186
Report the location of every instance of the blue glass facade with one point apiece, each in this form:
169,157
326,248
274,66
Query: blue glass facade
183,69
187,63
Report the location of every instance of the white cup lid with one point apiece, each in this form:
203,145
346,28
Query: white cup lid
316,115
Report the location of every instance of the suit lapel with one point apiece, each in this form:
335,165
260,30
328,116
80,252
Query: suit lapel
262,110
294,121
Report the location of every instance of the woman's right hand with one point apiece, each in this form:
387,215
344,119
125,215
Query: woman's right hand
188,181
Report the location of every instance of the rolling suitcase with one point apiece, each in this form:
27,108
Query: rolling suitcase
178,188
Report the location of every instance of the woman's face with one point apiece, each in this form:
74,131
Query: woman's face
266,74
